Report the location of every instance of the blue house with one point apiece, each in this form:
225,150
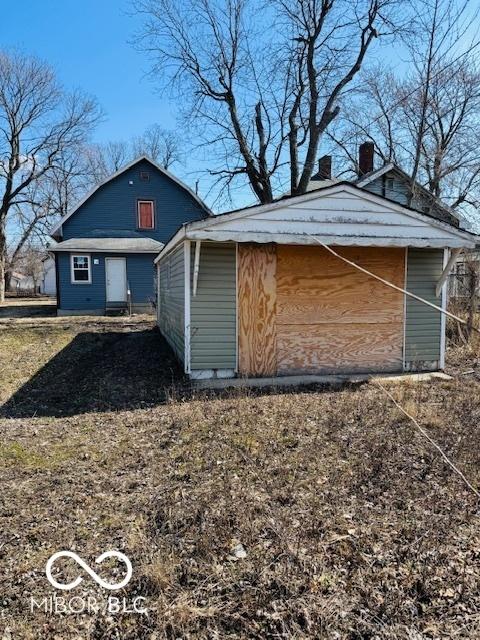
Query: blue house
105,246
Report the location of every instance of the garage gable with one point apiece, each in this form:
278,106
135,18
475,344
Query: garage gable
339,215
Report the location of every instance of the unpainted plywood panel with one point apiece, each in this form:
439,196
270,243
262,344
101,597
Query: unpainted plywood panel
256,309
329,348
316,287
331,317
319,310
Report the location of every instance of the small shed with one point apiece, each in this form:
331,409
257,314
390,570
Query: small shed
21,283
48,285
254,293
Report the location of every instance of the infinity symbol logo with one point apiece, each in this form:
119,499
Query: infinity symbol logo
71,585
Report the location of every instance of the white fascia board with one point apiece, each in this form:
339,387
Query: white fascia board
205,229
376,174
131,164
334,240
179,237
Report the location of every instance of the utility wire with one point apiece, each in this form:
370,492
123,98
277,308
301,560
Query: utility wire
431,440
393,286
397,404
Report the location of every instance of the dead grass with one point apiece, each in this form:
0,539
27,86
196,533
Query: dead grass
23,353
353,526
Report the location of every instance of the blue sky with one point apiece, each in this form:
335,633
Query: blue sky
87,42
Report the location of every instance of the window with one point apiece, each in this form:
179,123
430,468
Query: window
144,176
81,270
145,214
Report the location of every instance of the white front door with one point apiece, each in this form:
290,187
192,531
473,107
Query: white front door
116,274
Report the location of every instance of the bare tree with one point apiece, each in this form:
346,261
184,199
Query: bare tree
161,145
440,24
30,263
373,114
428,121
449,161
104,159
44,201
39,122
263,93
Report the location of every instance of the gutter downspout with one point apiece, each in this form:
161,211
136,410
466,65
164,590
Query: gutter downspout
196,266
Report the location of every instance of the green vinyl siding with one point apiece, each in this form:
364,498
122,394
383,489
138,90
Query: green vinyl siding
213,328
172,300
423,326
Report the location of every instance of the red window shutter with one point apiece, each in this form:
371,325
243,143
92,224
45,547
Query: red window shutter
145,215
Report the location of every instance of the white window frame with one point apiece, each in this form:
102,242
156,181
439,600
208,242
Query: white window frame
72,271
144,201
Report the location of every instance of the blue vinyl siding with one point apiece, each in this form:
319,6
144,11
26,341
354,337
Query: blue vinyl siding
395,187
114,206
390,186
92,297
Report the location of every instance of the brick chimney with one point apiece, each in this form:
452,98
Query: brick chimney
325,168
365,158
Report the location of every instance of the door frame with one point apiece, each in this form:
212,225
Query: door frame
124,260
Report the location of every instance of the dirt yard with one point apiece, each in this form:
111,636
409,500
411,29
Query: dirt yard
38,307
318,513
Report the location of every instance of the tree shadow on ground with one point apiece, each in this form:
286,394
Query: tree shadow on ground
16,308
111,371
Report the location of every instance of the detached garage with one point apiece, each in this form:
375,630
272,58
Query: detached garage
257,292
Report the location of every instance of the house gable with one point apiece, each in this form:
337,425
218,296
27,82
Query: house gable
111,208
394,184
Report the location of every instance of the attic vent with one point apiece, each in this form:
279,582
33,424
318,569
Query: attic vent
144,176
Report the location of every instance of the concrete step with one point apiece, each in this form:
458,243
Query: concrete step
116,310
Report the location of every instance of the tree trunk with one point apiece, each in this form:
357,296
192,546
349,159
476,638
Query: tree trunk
7,279
3,258
2,277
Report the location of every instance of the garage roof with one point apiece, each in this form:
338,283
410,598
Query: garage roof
340,214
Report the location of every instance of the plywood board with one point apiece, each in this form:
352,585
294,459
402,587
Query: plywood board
329,348
331,317
257,309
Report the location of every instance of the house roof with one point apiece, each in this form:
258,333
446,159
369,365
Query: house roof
366,178
108,245
341,214
325,182
391,166
54,230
